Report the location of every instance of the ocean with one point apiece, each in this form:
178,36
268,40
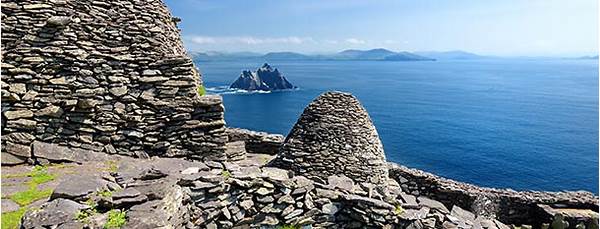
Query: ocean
523,124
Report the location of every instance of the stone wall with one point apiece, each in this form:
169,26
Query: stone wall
256,142
508,206
102,75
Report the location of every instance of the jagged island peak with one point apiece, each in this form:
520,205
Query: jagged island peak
264,78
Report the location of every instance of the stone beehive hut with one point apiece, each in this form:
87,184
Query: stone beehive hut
334,136
102,75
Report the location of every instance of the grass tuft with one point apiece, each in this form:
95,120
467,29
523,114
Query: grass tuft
226,174
201,90
104,193
398,210
11,220
116,219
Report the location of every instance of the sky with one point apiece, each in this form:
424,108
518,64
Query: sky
491,27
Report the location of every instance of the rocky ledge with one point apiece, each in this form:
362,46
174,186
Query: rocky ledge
264,79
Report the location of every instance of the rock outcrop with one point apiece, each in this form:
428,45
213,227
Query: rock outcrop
265,79
334,136
107,75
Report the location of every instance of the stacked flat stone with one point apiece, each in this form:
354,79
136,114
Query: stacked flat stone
103,75
508,206
334,136
177,193
256,142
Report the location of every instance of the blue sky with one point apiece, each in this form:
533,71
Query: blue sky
491,27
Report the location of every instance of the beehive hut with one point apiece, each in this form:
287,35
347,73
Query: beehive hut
334,136
103,76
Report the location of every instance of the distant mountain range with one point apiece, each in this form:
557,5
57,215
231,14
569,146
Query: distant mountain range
588,57
353,54
350,54
451,55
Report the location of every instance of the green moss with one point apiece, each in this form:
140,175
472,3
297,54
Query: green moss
104,193
226,174
83,216
116,219
201,90
398,210
92,203
30,195
39,175
11,220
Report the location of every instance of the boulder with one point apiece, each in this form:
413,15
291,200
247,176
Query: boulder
86,185
52,214
55,152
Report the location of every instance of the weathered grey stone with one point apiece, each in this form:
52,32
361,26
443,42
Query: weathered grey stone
462,214
56,152
329,209
52,214
52,111
118,91
276,174
59,20
341,182
9,206
424,201
86,185
17,114
9,159
18,149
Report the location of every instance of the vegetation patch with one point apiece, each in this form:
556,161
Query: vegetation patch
116,219
39,175
84,215
104,193
201,90
11,220
398,210
226,174
30,195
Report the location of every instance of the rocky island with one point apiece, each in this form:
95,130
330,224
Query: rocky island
107,110
264,79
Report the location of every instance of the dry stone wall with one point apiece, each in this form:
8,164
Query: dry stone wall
508,206
333,136
102,75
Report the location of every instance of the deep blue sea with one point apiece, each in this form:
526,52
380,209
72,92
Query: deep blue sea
507,123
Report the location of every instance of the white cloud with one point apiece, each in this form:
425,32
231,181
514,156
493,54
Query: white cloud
355,41
248,40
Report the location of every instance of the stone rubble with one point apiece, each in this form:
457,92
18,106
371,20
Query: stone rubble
195,195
